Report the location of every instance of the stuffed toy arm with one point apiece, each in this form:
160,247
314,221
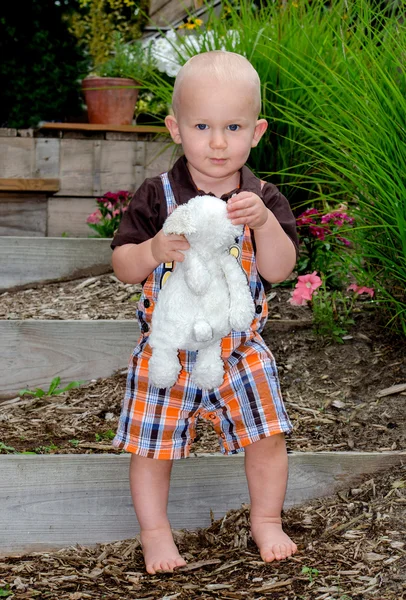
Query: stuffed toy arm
242,309
197,276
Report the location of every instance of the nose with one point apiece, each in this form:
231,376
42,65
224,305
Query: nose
218,140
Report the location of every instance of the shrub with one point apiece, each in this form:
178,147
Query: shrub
96,22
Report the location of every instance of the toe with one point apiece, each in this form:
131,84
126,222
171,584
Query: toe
166,567
180,562
267,555
150,569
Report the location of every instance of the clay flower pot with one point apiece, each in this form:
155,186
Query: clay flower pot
110,100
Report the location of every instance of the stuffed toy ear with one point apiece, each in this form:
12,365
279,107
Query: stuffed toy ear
181,221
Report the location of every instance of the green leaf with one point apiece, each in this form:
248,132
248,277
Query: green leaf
54,384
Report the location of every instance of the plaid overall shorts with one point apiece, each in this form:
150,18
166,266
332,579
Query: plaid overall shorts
248,406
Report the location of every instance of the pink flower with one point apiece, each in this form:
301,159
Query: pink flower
304,289
95,217
360,290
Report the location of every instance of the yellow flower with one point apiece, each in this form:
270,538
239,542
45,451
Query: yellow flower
295,4
191,23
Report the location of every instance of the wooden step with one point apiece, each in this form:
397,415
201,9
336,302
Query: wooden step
33,351
28,260
54,501
23,184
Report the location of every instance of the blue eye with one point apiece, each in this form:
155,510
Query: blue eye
201,126
233,127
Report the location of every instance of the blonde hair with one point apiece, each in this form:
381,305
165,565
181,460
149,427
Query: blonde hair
225,67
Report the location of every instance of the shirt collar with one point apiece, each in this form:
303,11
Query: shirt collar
184,187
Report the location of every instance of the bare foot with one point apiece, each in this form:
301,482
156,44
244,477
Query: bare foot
272,541
160,552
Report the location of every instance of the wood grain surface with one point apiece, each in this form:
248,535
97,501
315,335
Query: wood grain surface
55,501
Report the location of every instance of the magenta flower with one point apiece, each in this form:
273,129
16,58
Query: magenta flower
304,289
338,218
305,217
344,241
318,232
360,290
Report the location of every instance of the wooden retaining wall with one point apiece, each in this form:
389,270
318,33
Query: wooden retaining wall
88,161
33,352
49,502
25,261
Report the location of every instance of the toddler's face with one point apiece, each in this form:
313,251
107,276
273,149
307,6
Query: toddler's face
217,126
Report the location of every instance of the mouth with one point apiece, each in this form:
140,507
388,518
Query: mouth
218,161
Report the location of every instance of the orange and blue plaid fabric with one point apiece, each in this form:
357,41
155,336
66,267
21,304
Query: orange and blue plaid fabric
248,406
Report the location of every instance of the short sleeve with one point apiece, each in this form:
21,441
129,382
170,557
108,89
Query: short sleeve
145,215
279,205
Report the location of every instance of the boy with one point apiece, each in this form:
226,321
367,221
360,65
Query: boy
216,102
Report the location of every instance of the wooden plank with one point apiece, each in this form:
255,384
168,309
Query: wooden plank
68,216
171,12
47,157
94,127
116,166
21,217
30,260
17,156
23,184
157,5
49,502
160,157
33,352
77,166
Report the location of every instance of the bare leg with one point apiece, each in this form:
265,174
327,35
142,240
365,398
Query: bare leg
149,480
266,467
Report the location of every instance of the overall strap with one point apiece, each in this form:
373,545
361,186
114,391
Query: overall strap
169,195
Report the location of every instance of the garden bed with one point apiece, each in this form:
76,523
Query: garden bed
351,547
332,392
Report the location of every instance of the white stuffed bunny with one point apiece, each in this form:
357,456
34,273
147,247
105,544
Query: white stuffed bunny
206,296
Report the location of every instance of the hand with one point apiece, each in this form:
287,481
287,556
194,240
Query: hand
166,248
246,208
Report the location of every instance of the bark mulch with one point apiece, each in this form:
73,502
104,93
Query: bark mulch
339,397
349,396
351,547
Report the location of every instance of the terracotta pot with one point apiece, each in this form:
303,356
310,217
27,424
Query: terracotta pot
110,100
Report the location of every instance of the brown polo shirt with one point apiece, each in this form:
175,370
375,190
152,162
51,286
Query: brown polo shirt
147,210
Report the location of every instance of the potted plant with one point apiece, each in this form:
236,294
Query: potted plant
111,90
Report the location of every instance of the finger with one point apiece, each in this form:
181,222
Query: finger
174,237
239,196
180,246
178,257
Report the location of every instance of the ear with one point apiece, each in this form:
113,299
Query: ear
180,222
260,129
172,124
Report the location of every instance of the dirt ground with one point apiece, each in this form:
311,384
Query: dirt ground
334,393
339,397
